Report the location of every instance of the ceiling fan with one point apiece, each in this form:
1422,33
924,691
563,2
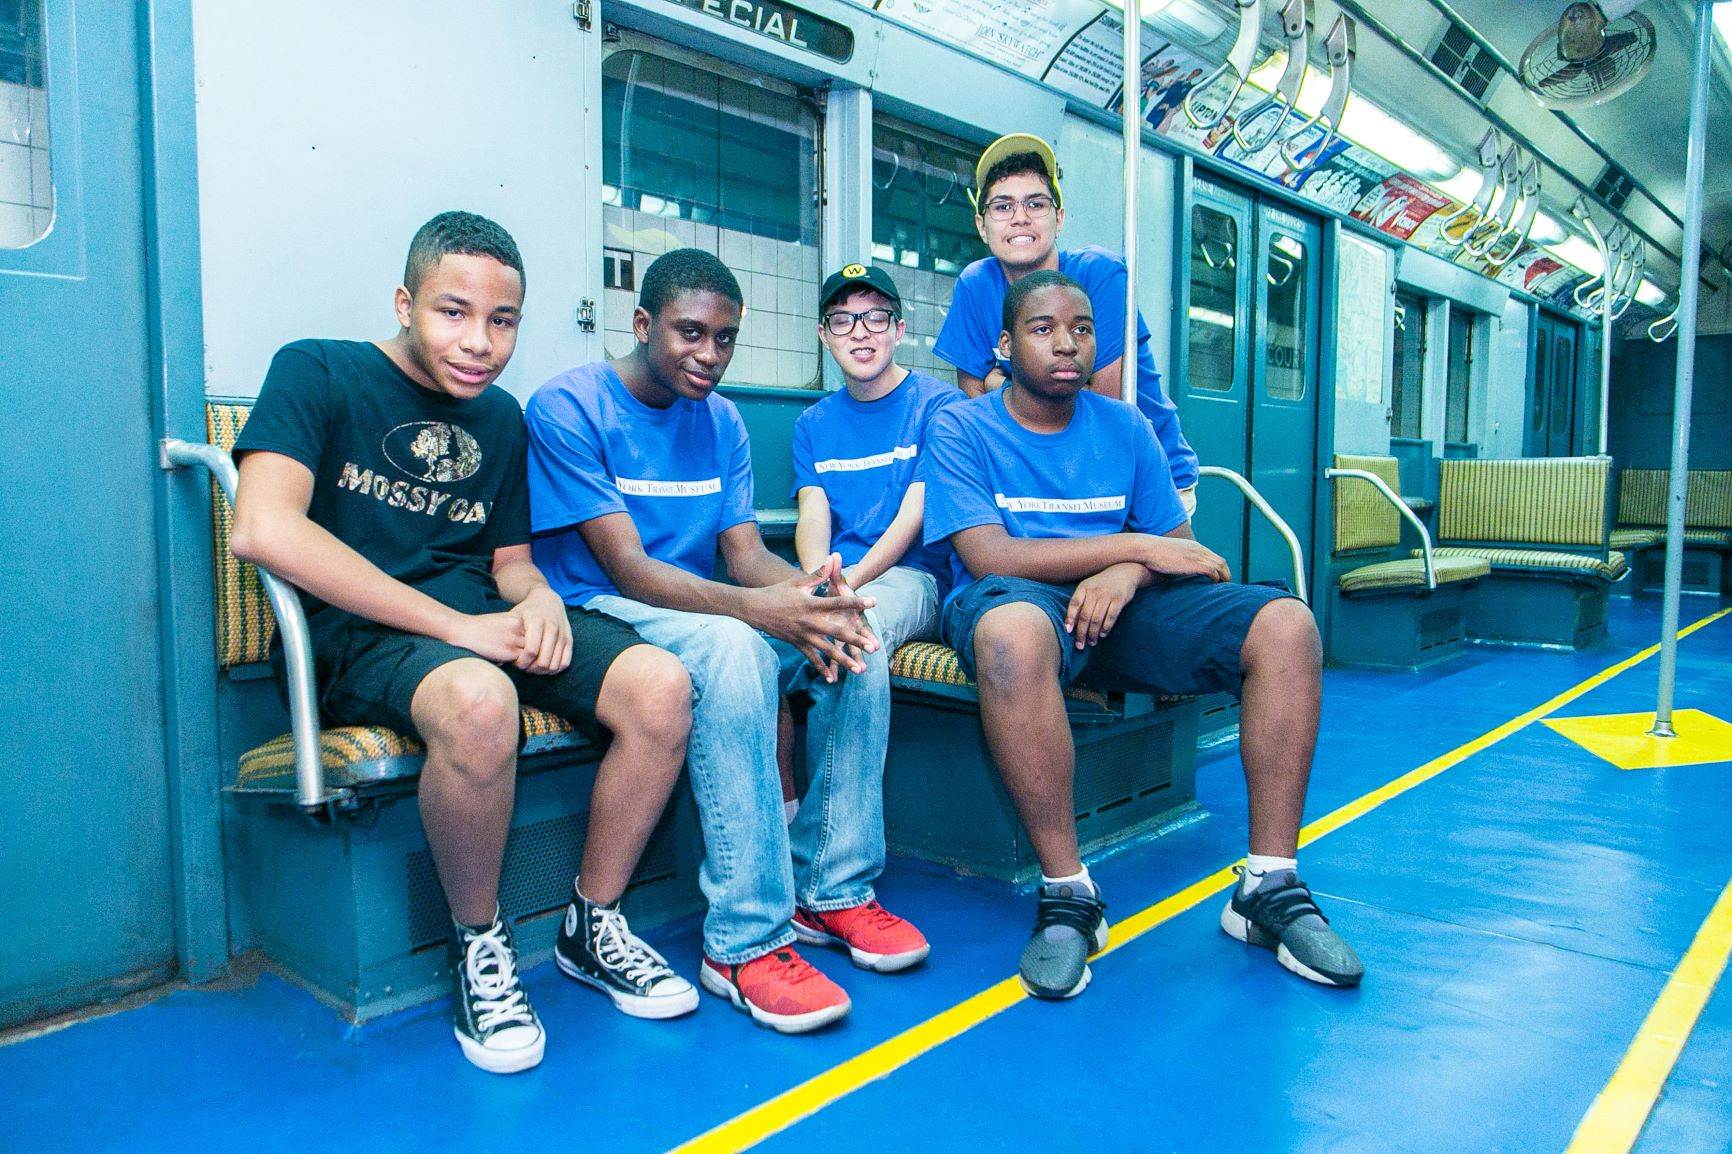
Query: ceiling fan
1592,53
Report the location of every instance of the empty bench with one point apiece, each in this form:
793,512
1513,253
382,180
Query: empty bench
1641,532
1390,610
1543,525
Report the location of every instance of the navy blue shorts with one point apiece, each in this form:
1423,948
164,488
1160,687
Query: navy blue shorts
369,675
1175,637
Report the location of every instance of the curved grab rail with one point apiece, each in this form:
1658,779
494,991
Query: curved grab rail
1239,58
310,792
1272,517
1490,152
1523,223
1508,200
1296,29
1389,494
1669,323
1342,46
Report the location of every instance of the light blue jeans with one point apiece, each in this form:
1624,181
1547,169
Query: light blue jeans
755,867
907,608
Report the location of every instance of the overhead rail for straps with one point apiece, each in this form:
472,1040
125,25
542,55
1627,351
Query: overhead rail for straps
1274,518
1341,45
1402,507
1240,59
1296,31
310,792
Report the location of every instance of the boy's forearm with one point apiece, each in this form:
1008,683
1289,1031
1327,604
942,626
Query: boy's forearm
1055,560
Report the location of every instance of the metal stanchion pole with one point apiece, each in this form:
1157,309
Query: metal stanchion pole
1132,107
1687,293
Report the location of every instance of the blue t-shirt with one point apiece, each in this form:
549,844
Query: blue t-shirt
1105,473
863,454
969,338
684,473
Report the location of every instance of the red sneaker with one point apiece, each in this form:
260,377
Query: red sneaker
876,938
780,990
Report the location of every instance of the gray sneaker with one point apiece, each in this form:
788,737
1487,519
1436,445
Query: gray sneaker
1068,926
1280,915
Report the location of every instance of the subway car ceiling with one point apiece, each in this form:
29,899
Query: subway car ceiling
1441,144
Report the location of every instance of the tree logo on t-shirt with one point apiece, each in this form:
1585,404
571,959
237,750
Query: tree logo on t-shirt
433,451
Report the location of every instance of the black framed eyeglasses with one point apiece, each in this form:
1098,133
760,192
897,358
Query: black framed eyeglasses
841,324
1004,207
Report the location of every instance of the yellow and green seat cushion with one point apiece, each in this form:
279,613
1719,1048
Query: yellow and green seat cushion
361,754
1410,574
1541,561
1633,537
1643,496
1364,518
1544,501
244,622
926,666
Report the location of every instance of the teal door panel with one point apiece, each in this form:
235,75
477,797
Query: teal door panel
86,890
1248,401
1214,395
1284,387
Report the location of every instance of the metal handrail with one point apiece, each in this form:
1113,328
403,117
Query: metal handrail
310,792
1492,224
1239,60
1401,506
1296,30
1490,171
1341,45
1272,517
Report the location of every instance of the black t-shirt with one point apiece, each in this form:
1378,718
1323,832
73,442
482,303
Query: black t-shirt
423,485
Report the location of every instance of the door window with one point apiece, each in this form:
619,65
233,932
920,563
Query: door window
1563,394
1406,407
1213,319
1456,383
693,155
1284,374
922,229
1542,377
26,190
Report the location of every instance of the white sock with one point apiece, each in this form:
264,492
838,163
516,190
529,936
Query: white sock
1257,866
1079,880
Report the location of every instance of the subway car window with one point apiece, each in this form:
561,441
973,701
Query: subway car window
1407,396
1456,382
1542,379
922,228
1214,309
692,155
1284,378
26,191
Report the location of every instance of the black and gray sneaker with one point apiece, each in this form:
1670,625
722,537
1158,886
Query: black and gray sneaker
1068,926
596,947
491,1014
1280,915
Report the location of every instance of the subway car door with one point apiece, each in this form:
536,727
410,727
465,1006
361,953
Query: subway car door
1248,399
86,889
1555,389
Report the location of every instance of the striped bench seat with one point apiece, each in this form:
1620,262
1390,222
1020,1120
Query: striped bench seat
370,754
926,666
1410,574
1538,561
1632,537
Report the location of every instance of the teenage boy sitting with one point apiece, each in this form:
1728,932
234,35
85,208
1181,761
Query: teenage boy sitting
855,453
386,481
639,473
1073,553
1019,213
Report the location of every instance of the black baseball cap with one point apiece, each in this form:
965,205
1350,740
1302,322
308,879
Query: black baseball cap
864,275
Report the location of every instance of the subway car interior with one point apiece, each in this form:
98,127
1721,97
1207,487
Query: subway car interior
1441,291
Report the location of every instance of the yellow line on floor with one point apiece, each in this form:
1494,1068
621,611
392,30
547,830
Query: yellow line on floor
776,1114
1615,1120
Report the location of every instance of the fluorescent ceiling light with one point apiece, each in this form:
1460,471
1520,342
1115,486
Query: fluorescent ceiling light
1464,185
1647,292
1581,253
1364,123
1197,18
1546,229
1723,24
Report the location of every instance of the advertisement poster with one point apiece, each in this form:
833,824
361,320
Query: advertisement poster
1399,205
1362,293
1023,35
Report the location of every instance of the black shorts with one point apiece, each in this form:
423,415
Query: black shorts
369,674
